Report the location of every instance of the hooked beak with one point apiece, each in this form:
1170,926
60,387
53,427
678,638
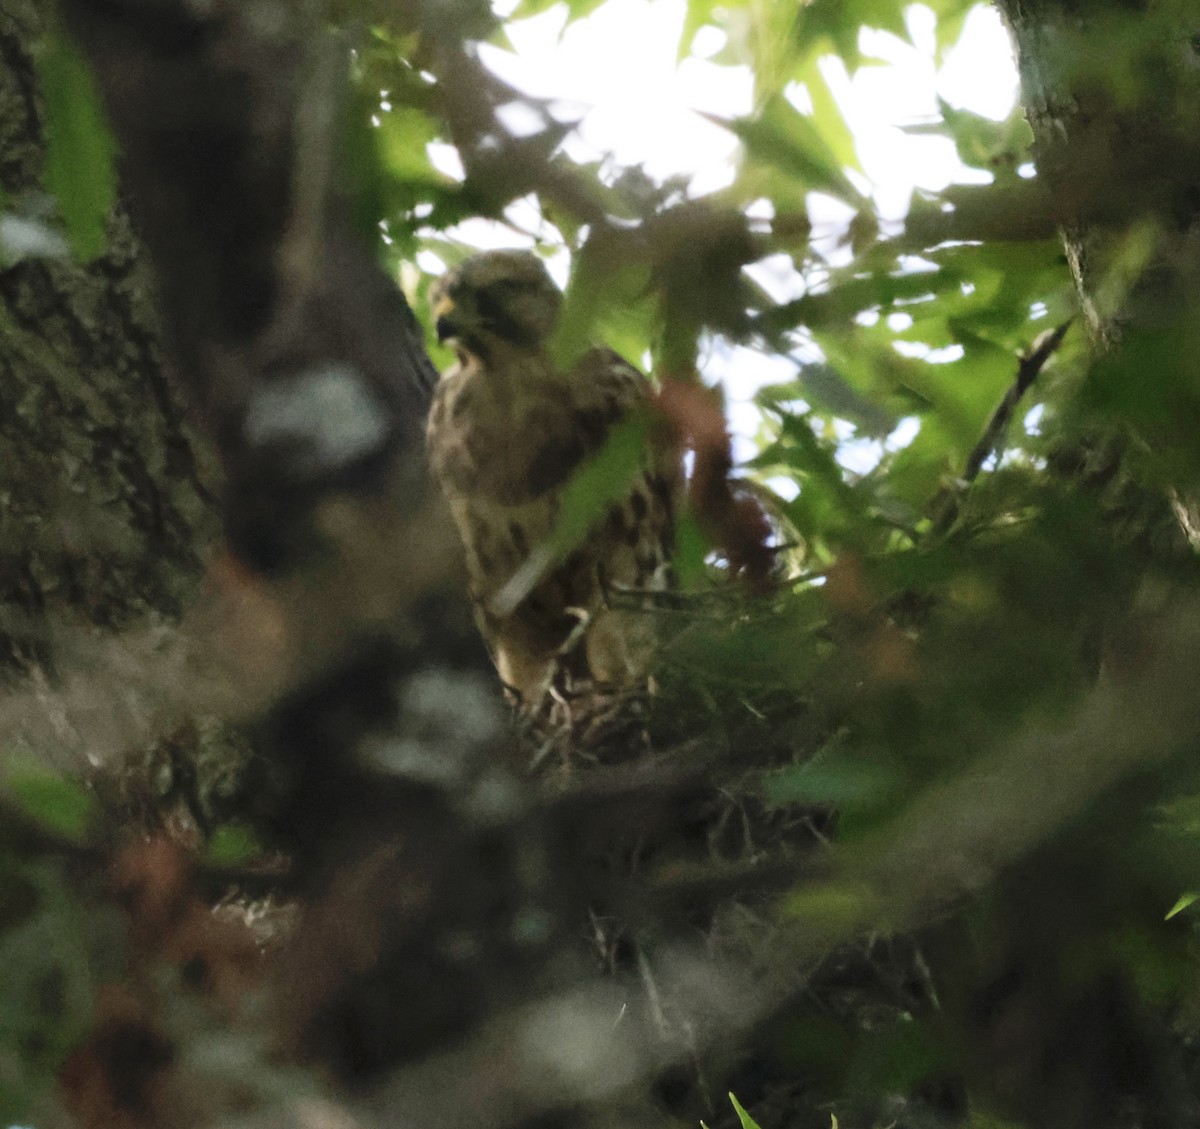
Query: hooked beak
444,323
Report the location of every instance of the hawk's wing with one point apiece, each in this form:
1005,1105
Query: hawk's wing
634,543
505,439
630,550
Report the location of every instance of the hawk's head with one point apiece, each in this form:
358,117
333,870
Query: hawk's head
495,296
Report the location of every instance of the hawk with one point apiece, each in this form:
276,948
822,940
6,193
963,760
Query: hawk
506,432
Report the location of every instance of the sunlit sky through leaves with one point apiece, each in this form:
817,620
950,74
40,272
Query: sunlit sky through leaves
618,71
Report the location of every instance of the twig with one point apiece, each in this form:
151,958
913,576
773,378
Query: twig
1028,369
1029,366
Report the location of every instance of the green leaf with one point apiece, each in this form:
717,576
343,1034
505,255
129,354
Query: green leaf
835,778
746,1120
999,147
1184,901
56,802
780,136
696,15
823,383
578,9
575,9
598,484
606,301
773,47
403,135
827,116
831,907
80,152
838,23
827,506
232,844
527,8
952,15
896,1059
601,481
49,1003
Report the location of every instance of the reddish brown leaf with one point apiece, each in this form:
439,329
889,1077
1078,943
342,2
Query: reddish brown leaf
731,518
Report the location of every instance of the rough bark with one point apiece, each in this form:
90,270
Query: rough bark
107,490
106,510
1112,92
1115,139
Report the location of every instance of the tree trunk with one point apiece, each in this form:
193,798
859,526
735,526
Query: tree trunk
106,492
1109,89
1116,141
1112,92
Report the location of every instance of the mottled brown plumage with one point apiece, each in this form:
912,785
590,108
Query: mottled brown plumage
506,432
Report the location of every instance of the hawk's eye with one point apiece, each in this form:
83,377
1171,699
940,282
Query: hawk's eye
488,304
502,290
496,315
497,297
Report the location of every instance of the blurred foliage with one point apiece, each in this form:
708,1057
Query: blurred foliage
80,169
921,617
